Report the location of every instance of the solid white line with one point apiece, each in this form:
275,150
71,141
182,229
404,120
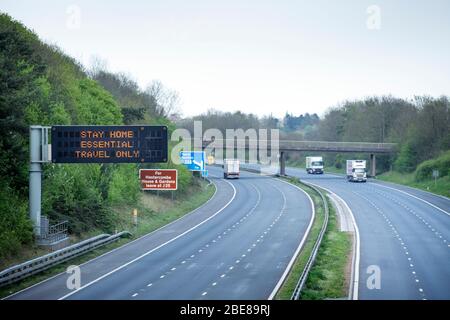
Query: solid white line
300,246
413,196
154,249
409,187
356,253
119,248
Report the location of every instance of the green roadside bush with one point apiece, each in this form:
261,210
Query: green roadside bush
15,227
124,185
406,159
78,193
425,169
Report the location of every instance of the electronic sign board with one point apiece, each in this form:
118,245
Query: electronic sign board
109,144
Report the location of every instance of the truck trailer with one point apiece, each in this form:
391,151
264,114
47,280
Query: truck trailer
314,165
231,168
356,170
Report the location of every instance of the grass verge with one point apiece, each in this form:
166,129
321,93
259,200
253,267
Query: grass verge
441,186
290,283
153,212
329,277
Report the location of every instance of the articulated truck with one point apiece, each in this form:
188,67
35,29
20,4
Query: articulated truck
356,170
231,168
314,165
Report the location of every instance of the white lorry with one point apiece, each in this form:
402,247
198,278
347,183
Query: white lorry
231,168
314,165
356,170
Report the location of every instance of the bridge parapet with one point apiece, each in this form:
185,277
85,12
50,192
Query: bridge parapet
334,146
319,146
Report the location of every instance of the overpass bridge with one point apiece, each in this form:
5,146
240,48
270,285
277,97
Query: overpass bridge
284,146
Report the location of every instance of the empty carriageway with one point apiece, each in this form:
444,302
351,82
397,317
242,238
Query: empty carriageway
239,250
404,234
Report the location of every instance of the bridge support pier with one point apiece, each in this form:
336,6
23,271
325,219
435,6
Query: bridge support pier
373,161
282,163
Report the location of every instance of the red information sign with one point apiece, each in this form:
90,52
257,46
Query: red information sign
159,179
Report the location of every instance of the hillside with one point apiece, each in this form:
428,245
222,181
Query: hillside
39,84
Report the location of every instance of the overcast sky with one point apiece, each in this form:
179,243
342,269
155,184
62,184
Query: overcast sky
257,56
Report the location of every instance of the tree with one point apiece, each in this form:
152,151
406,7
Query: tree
406,160
167,100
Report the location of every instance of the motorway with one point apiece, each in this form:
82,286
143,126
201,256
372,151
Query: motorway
403,231
236,246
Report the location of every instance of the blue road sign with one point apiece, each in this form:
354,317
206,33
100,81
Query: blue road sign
205,173
193,160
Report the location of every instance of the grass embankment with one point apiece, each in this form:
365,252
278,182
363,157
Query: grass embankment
153,212
441,186
328,278
289,284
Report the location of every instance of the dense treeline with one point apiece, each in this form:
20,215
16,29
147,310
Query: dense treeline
39,84
292,126
421,127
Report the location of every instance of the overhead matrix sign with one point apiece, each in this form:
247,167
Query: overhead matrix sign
109,144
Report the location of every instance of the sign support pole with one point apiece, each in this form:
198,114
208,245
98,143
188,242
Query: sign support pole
38,155
35,178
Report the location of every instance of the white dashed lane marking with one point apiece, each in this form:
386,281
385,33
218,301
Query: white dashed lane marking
230,268
401,242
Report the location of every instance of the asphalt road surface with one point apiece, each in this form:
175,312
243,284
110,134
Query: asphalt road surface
404,234
236,246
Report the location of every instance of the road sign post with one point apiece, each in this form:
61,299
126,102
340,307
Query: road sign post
135,217
435,176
